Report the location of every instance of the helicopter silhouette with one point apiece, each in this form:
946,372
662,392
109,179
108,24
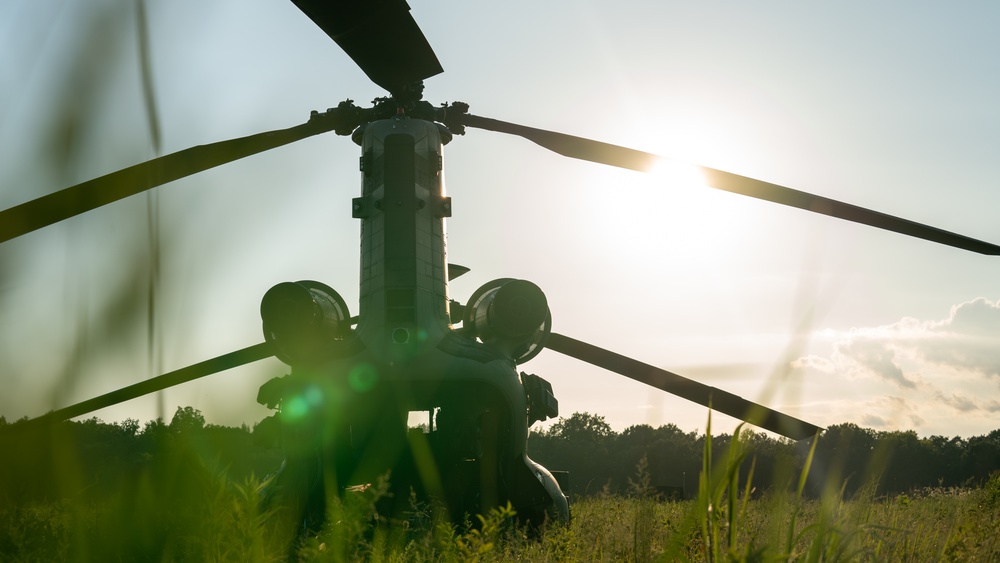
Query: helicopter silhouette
407,326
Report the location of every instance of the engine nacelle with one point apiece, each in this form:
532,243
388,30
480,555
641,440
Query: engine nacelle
510,315
304,321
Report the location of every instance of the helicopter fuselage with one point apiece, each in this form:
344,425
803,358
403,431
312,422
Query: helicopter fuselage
348,408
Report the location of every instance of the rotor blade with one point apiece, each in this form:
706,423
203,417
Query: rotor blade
380,36
183,375
614,155
69,202
711,397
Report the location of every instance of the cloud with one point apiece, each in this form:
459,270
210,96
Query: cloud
814,363
872,421
884,413
963,403
966,341
877,356
945,368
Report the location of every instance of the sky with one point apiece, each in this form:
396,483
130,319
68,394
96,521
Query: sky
889,106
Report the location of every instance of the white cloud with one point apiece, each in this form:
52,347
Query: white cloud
877,356
952,362
814,363
966,341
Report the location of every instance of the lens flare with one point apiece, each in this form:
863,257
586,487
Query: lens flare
299,405
362,378
295,408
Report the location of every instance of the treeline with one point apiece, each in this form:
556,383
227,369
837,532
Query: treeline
600,459
92,457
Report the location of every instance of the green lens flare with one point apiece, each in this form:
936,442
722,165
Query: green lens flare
300,404
362,378
295,407
313,396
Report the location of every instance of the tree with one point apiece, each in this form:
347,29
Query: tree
982,457
129,426
582,426
845,453
907,461
187,419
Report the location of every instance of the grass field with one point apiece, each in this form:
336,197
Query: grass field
187,510
940,525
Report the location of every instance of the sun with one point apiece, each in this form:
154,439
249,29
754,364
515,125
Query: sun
677,205
674,174
667,226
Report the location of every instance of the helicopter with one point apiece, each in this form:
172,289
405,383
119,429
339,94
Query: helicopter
323,297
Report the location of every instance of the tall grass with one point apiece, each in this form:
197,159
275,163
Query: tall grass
183,505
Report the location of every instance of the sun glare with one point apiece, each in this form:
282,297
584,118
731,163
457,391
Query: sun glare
675,174
673,222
